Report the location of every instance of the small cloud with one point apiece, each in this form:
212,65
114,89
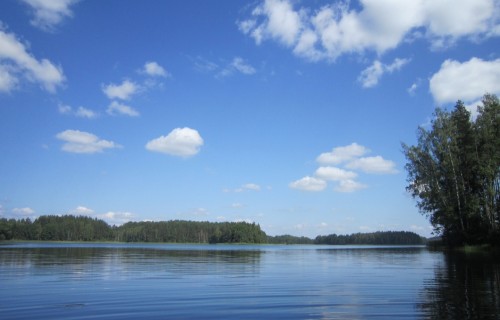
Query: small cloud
76,141
154,69
183,142
122,91
236,205
375,164
117,108
334,174
83,210
308,184
8,81
48,14
371,75
240,65
251,186
411,90
116,218
26,211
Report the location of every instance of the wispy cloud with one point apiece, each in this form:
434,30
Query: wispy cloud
47,14
153,69
371,75
17,63
117,108
80,112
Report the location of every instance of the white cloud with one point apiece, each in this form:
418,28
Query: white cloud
23,211
379,25
342,154
16,63
116,108
83,142
116,218
154,69
7,80
375,164
349,186
49,13
467,81
122,91
251,186
371,75
83,210
183,142
334,174
309,184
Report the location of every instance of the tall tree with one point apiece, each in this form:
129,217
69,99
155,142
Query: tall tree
453,172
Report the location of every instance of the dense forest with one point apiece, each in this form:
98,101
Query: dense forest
82,228
374,238
454,173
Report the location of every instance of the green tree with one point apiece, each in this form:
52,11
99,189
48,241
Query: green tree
453,173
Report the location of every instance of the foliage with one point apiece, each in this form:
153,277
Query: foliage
373,238
454,173
288,239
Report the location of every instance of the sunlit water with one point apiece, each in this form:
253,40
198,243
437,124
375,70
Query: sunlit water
162,281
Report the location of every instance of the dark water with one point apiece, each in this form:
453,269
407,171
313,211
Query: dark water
111,281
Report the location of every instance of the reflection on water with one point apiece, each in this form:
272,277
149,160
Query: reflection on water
464,286
121,281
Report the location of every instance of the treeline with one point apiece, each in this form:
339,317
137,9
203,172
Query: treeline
454,173
82,228
373,238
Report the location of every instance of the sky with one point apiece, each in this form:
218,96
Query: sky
286,113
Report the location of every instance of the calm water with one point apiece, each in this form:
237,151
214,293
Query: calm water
161,281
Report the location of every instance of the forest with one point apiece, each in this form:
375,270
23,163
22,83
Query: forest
83,228
454,173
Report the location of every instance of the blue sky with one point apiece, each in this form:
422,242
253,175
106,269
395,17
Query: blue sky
289,114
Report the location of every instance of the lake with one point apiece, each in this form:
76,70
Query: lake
166,281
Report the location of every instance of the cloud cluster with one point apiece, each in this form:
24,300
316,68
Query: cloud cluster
47,14
379,25
182,142
351,157
17,63
84,142
80,112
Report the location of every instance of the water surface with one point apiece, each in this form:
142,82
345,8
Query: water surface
163,281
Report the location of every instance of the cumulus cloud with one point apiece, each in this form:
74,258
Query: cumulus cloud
154,69
371,75
116,218
121,91
117,108
83,210
342,154
375,164
182,142
309,184
47,14
378,25
16,63
467,81
335,174
83,142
